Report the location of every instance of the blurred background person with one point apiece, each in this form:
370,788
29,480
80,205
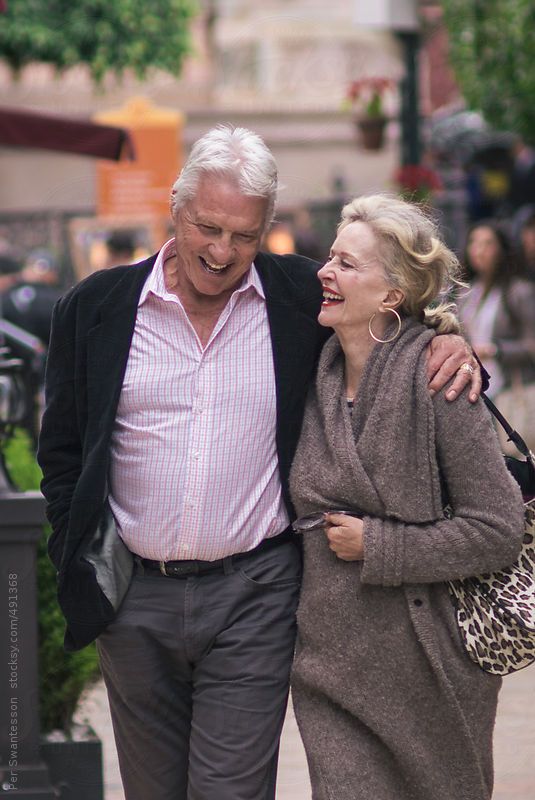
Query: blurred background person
32,293
10,266
526,254
121,247
498,317
522,180
26,303
307,241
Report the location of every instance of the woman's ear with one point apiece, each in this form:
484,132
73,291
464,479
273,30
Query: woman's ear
393,299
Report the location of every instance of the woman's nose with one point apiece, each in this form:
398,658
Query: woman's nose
325,270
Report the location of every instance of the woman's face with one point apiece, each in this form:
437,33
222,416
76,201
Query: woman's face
353,280
483,251
528,242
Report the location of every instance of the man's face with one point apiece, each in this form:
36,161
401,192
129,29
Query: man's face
218,233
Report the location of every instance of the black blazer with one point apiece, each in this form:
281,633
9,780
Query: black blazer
92,329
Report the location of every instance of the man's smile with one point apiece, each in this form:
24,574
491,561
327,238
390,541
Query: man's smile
213,269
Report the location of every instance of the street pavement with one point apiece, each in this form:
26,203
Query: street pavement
514,744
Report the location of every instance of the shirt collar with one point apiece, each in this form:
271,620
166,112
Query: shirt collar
155,283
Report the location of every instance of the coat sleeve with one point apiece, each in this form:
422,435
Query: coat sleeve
486,530
60,446
516,347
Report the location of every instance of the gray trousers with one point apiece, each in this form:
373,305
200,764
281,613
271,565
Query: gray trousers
197,673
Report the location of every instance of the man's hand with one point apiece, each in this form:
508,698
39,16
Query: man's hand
488,350
345,536
446,355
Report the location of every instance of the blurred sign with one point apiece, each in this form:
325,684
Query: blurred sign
142,187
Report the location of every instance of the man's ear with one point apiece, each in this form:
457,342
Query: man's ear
393,299
172,209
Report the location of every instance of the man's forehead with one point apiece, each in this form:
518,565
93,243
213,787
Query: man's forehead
224,204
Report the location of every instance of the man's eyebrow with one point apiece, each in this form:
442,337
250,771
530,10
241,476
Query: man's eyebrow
206,223
251,232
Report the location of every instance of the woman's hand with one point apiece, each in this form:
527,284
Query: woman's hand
345,535
446,354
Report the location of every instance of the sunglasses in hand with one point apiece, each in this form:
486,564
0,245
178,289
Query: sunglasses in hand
317,520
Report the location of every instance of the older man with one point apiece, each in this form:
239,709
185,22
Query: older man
175,392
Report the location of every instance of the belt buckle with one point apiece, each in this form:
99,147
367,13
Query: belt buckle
178,570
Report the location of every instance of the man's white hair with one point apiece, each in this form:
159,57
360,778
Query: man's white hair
235,153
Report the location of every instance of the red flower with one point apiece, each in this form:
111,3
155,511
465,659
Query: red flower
370,92
417,177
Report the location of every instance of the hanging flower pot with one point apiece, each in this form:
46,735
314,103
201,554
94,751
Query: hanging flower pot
365,98
371,132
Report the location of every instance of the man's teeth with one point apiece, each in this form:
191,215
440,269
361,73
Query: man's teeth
214,267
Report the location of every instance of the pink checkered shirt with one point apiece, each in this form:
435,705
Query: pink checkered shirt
194,470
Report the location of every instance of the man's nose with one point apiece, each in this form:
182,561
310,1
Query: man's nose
222,249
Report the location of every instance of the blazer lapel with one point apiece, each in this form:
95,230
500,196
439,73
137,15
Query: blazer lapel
108,345
294,329
296,339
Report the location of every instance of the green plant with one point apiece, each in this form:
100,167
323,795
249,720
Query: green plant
62,676
123,34
492,55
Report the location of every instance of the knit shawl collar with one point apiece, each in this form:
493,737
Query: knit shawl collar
381,459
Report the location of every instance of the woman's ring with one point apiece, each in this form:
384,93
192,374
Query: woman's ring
466,367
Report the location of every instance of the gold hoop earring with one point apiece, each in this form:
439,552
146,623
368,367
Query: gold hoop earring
391,339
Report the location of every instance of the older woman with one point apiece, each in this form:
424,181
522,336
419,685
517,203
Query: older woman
388,703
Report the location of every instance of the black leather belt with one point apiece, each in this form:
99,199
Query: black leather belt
183,569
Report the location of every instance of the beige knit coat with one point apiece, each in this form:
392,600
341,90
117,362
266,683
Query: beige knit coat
388,703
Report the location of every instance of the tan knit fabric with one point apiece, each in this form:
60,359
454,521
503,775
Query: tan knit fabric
389,705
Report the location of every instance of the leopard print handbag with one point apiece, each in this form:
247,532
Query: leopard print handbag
496,611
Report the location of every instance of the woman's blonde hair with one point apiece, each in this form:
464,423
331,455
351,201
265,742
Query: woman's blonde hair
414,258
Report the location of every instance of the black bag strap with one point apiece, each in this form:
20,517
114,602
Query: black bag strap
512,435
522,471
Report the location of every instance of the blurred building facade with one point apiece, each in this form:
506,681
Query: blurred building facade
281,68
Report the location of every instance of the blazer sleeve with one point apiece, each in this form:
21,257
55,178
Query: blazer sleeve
486,530
60,446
